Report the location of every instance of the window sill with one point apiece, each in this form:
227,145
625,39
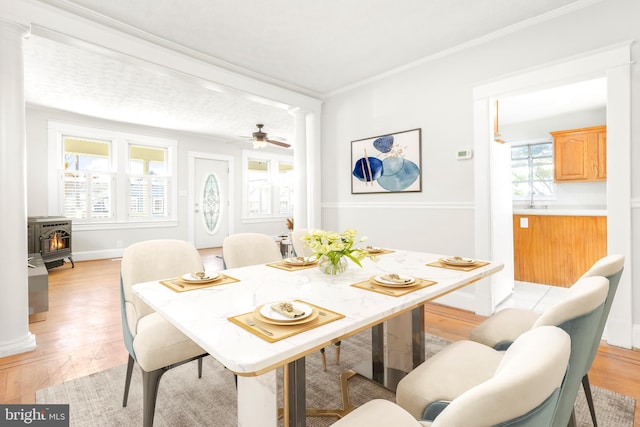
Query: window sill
122,225
253,220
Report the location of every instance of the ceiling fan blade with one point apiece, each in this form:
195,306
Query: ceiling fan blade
280,143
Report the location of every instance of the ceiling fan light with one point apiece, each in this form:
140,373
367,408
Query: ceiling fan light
259,142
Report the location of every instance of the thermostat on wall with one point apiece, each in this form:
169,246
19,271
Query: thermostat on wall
464,154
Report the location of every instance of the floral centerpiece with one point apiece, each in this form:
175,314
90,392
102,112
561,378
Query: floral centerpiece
333,249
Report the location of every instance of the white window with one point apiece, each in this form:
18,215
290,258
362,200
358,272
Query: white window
268,184
108,177
88,179
532,171
148,182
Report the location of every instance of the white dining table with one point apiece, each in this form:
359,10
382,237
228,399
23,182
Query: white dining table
203,315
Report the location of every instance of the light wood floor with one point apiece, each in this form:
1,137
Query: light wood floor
82,334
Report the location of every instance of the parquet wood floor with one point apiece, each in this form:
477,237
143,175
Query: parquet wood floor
82,334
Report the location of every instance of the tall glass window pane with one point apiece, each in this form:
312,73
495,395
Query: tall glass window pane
258,187
87,178
532,170
148,184
285,184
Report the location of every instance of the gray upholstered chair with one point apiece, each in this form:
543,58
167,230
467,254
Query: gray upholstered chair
501,329
243,249
578,313
152,342
519,387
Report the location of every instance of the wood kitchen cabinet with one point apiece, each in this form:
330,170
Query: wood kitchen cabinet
580,155
557,250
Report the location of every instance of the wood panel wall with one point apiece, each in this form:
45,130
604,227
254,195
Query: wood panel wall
557,250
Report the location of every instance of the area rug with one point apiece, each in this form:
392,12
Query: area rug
185,400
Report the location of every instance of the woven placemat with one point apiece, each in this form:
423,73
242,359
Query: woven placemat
441,264
179,285
382,252
289,267
373,286
321,316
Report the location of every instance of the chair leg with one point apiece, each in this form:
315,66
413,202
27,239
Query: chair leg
200,367
587,392
127,381
572,419
150,382
338,352
324,359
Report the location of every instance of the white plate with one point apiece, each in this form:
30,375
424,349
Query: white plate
409,280
458,261
373,250
270,313
297,261
208,277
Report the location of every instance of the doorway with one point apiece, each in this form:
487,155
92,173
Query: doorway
209,199
614,65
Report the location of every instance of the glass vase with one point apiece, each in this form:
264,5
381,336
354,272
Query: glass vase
338,266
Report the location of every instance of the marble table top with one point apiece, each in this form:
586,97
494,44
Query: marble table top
203,314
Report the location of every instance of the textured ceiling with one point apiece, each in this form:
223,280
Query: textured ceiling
311,46
76,80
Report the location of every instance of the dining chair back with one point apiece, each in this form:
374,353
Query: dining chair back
525,388
521,390
152,342
610,267
501,329
299,247
243,249
579,314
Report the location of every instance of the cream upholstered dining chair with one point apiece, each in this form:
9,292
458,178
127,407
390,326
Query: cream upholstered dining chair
578,313
500,330
299,246
152,342
519,387
243,249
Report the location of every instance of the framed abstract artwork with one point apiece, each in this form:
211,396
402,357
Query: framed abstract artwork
387,163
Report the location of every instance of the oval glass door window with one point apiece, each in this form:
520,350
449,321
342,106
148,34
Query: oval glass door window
211,203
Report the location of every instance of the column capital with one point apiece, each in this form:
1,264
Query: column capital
297,111
15,25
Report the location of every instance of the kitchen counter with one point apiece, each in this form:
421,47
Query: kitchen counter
562,211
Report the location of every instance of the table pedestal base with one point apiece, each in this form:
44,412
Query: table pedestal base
397,347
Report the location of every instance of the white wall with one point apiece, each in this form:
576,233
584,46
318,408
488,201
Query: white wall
111,243
437,97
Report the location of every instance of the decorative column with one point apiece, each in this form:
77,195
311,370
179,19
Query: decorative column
300,188
14,288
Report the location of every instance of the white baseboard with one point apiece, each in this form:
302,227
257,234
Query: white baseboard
635,336
25,344
101,254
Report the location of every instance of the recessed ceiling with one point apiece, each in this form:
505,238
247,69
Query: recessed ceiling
310,46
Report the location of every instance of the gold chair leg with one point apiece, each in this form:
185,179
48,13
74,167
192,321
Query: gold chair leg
346,403
339,413
324,359
338,352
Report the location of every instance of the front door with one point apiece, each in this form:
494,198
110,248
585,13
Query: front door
211,202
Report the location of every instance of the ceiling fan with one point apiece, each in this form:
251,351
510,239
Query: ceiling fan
260,139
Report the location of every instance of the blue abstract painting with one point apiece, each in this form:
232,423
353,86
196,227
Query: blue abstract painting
387,163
